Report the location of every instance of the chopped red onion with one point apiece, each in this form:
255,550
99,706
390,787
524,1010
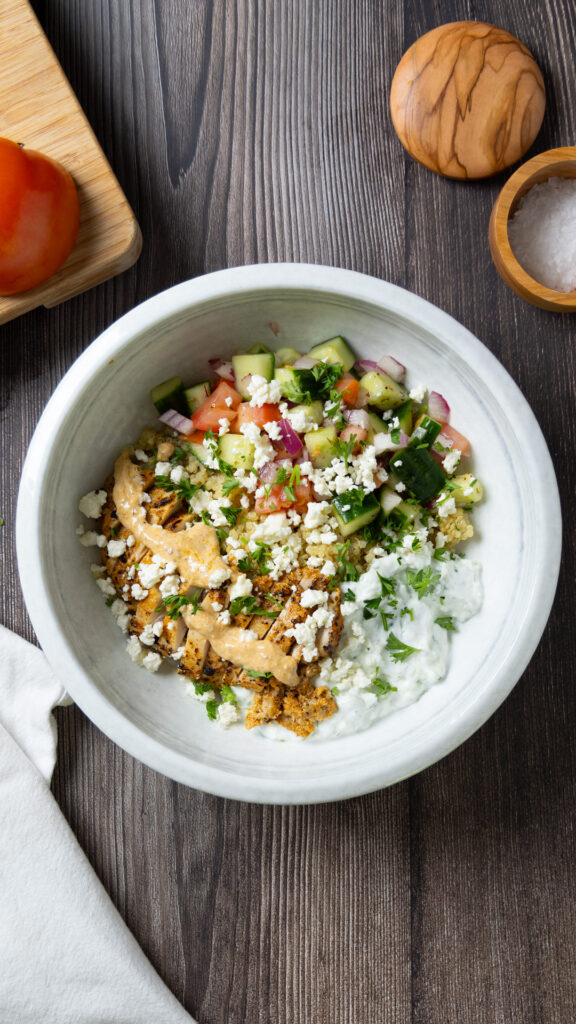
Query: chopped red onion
289,437
365,365
438,408
444,442
226,371
305,363
362,398
267,472
357,417
393,368
386,444
177,421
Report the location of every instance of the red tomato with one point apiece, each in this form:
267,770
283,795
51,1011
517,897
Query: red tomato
39,217
214,407
279,501
358,432
458,440
348,387
258,414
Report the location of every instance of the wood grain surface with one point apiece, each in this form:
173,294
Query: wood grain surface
252,130
467,99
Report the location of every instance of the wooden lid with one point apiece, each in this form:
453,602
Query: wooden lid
467,99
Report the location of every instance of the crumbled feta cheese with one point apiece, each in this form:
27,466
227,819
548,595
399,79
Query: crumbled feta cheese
140,455
262,391
149,574
328,569
152,661
218,577
170,586
228,401
134,649
80,530
106,586
177,474
274,529
97,570
91,504
158,628
224,426
273,430
310,598
300,420
224,616
304,634
130,541
445,506
178,653
227,714
147,636
263,450
316,514
399,486
241,588
418,394
116,548
90,539
163,469
451,460
121,614
203,698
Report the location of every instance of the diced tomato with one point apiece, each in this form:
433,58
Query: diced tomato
258,414
348,387
209,419
458,440
279,501
222,391
197,437
358,432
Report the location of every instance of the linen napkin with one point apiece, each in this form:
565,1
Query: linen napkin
66,955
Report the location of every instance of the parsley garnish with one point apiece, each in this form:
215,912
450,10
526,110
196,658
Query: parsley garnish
308,385
228,485
256,562
346,570
343,449
184,489
257,675
440,554
212,709
348,595
231,514
173,605
447,622
334,411
398,650
110,601
248,605
382,687
228,695
424,581
201,688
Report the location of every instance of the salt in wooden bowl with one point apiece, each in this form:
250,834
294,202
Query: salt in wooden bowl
553,163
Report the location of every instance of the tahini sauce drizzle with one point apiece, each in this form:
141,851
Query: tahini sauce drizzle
196,553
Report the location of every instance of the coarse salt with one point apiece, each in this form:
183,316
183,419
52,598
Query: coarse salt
542,233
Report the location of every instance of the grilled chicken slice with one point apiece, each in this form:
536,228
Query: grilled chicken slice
303,707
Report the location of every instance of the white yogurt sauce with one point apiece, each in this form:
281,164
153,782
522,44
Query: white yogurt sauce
362,655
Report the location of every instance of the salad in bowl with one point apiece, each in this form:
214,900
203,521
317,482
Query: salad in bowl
287,537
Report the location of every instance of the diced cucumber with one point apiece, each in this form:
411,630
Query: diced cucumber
169,395
468,489
198,450
286,356
389,499
377,426
320,445
404,414
257,349
421,474
425,433
336,351
236,450
314,411
261,363
383,392
355,509
196,394
287,376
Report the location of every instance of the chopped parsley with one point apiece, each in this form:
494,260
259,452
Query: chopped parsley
440,554
248,605
424,581
348,595
201,688
343,449
257,675
184,489
229,484
398,650
109,602
346,570
447,622
333,409
382,687
212,709
307,385
228,695
174,604
230,514
256,562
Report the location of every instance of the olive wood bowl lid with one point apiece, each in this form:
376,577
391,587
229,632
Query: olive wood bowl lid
552,163
467,99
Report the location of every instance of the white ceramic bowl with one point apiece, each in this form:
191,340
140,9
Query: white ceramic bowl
103,402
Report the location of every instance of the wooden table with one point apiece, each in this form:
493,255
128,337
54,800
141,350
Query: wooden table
252,130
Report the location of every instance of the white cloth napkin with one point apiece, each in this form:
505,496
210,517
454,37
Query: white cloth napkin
66,955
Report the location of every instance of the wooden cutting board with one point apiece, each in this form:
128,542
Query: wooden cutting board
39,108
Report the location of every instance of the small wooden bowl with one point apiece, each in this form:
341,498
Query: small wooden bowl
560,163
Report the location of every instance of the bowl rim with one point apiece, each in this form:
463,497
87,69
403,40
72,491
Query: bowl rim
511,271
219,284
